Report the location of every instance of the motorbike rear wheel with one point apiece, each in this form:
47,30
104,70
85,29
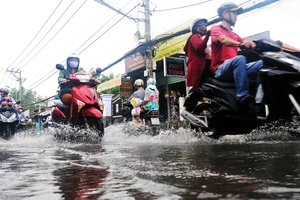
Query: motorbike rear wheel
96,124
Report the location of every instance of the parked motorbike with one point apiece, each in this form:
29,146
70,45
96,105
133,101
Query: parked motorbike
8,121
212,108
86,108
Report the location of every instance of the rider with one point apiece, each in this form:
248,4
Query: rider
226,63
136,99
7,100
22,119
151,100
197,51
72,67
4,99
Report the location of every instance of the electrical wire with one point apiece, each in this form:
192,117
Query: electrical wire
36,34
45,34
75,51
181,6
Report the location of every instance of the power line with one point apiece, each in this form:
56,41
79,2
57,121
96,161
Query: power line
75,51
181,7
54,35
92,42
36,34
45,34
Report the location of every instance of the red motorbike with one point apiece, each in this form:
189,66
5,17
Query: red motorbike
87,106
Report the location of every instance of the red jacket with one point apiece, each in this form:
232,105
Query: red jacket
195,49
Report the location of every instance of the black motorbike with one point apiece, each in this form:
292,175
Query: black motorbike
8,120
212,108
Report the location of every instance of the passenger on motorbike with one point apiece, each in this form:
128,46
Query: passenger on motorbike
226,63
73,62
136,99
22,119
197,52
151,100
7,100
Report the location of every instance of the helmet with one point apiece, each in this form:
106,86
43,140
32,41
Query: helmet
138,82
228,6
72,65
5,90
196,21
151,81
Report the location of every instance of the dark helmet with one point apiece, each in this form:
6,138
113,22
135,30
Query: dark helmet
195,22
69,65
229,6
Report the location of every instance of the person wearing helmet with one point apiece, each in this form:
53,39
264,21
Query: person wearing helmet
197,52
226,63
5,99
136,99
72,67
151,100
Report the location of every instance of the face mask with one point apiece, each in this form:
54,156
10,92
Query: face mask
73,64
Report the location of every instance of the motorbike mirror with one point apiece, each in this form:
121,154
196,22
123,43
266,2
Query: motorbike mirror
60,67
98,70
18,102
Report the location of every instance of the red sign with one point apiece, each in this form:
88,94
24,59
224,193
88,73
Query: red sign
134,62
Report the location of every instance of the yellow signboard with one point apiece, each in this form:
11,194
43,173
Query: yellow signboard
173,45
109,84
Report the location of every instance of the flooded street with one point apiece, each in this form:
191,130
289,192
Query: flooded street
172,165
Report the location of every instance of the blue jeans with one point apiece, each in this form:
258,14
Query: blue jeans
238,69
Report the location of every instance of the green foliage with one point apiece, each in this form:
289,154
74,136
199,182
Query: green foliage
28,97
103,78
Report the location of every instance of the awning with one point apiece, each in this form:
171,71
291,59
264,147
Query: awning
174,45
109,84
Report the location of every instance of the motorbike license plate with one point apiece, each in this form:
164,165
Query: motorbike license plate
155,121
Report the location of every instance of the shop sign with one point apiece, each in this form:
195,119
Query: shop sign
174,66
134,62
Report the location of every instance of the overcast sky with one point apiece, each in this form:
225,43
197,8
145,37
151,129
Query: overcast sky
30,45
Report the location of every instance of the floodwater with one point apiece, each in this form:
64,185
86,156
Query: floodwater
172,165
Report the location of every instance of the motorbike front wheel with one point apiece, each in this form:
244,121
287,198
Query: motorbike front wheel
96,124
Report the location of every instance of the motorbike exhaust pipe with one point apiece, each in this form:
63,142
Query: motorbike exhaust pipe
194,119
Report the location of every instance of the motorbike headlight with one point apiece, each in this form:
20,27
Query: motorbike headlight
80,105
294,63
83,78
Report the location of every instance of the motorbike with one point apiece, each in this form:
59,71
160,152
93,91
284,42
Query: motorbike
8,121
212,108
87,106
146,123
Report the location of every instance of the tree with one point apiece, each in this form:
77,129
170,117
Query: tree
103,78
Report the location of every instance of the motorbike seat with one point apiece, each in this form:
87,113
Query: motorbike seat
149,114
222,84
61,106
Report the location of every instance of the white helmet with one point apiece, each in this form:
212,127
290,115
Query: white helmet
151,81
138,82
73,64
5,90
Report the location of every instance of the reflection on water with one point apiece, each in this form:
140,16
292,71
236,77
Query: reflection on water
172,165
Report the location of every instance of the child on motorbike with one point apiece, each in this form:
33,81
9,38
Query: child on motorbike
151,100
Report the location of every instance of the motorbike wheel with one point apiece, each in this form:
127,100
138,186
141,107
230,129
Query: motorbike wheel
96,124
7,130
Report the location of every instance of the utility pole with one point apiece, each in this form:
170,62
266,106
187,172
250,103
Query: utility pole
19,79
148,52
